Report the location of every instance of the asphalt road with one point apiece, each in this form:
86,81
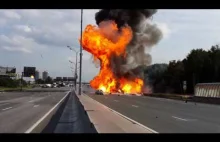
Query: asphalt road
164,115
19,111
51,89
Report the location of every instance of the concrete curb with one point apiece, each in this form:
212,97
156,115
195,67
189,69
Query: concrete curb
145,127
39,126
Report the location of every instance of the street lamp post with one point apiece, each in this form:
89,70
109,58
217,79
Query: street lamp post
80,71
76,63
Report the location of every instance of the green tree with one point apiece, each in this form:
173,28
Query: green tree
49,80
39,81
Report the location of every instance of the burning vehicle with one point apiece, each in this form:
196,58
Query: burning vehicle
118,45
99,92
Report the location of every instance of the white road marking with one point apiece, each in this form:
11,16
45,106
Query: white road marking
116,100
7,108
36,105
42,118
134,105
180,118
4,104
124,116
32,100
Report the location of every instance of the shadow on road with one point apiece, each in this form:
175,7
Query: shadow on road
70,118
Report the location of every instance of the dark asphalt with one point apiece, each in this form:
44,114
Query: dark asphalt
164,115
74,118
19,111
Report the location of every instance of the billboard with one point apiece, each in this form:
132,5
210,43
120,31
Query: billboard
8,71
29,71
71,79
65,79
59,79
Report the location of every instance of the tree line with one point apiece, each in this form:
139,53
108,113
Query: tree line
13,83
199,66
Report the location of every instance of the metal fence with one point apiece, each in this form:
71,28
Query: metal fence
207,90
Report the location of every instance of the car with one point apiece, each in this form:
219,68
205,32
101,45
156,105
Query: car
99,92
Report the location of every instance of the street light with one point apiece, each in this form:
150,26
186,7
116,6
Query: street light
80,70
76,52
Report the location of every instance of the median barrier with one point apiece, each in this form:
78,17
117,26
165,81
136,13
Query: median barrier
74,118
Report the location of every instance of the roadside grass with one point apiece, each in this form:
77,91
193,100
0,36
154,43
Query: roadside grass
170,96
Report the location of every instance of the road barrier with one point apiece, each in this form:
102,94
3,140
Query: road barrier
74,118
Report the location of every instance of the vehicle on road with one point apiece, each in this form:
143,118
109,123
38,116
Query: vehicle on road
47,86
99,92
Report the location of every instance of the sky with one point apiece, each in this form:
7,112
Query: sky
39,38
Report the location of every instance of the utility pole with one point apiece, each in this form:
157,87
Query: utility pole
76,63
76,76
80,70
21,80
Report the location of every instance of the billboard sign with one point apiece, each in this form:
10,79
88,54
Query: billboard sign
71,79
29,71
59,79
8,71
65,79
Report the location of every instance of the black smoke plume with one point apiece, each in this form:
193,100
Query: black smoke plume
145,35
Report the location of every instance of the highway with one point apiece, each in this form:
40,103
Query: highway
164,115
20,110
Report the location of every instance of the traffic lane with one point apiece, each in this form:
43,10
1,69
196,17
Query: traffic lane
22,117
196,116
51,89
16,101
15,95
189,110
157,118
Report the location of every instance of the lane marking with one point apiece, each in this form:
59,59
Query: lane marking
116,100
4,104
42,118
134,106
180,118
123,115
36,105
7,108
33,100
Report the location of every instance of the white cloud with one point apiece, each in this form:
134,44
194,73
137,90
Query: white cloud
11,14
25,50
24,28
48,32
18,43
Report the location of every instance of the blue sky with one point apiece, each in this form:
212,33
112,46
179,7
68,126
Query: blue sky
25,35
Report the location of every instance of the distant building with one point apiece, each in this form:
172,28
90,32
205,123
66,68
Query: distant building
65,78
7,71
45,75
59,79
37,75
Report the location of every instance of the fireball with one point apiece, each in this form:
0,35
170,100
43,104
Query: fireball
104,42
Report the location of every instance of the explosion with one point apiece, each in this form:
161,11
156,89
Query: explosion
118,43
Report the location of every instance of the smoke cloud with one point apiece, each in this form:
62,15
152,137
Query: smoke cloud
145,35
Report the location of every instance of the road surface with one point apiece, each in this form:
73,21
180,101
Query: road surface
164,115
19,111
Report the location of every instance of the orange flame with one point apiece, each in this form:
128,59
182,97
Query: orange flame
102,42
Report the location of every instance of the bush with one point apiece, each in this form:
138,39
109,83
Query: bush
8,82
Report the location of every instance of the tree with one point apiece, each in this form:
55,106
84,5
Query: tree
39,81
49,80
